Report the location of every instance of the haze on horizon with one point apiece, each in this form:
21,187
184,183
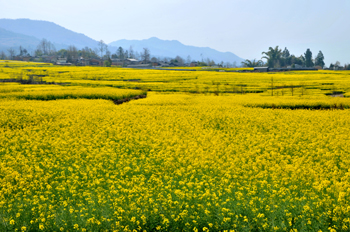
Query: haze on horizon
244,27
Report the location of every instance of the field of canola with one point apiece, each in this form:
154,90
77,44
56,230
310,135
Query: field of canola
172,161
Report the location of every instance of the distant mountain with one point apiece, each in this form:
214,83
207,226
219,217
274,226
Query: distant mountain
58,35
173,48
9,39
28,33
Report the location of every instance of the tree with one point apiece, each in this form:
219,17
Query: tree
252,63
102,47
319,60
108,54
2,55
45,47
62,53
137,55
88,53
308,58
145,55
188,60
126,54
286,58
337,64
11,51
131,53
273,57
72,54
108,62
20,51
154,59
120,53
180,61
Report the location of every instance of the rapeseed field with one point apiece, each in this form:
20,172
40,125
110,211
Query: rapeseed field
202,161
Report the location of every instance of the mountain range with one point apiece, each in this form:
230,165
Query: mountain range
28,33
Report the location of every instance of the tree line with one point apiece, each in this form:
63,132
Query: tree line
276,58
46,48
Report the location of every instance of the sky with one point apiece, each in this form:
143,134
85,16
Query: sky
244,27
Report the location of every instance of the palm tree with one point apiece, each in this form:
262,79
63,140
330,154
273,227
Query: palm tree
273,57
252,63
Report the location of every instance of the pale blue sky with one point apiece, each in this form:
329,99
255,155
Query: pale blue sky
244,27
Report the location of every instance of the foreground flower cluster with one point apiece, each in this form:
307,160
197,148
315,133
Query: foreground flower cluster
172,162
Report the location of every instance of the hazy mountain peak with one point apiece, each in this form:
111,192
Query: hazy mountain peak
48,30
27,32
172,48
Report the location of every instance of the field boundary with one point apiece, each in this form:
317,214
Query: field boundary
121,101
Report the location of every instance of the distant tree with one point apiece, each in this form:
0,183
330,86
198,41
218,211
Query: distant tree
108,62
62,53
102,47
180,61
285,53
286,58
131,53
207,60
252,63
319,60
20,51
11,52
2,55
308,58
107,54
25,52
88,53
297,60
145,55
45,47
153,59
331,66
126,54
337,64
120,53
188,60
201,63
38,52
273,57
72,54
137,55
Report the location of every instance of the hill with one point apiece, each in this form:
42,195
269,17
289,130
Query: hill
58,35
9,39
28,33
172,48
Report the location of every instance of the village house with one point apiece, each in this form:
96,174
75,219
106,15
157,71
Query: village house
193,64
95,62
62,62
